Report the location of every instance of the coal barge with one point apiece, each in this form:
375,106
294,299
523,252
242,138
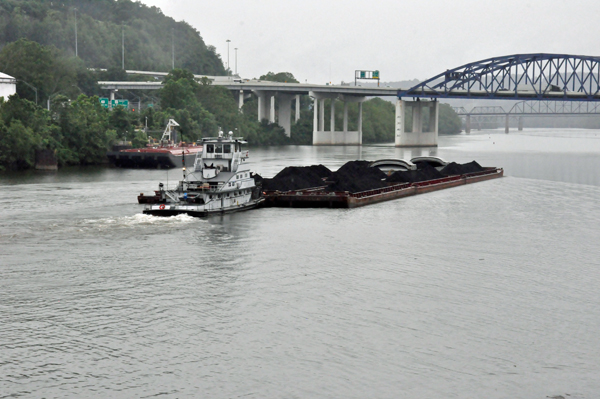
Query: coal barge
359,183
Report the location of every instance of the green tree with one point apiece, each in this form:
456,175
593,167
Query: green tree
17,145
100,23
31,63
449,122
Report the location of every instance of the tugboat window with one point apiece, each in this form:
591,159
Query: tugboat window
226,149
210,148
219,148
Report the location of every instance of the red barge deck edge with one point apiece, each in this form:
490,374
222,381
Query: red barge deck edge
315,197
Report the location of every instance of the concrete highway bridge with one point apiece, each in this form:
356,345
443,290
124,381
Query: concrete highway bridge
534,77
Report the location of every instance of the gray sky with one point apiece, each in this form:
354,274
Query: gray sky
326,40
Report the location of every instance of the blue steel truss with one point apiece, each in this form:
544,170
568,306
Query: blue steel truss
557,77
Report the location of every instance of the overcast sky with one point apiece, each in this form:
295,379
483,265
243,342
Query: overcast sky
327,40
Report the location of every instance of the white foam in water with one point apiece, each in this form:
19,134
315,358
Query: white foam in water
139,219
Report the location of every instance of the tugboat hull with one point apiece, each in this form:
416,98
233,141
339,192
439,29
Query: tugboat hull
167,210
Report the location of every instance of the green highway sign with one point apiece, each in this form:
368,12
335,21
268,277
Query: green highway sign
104,102
116,103
366,75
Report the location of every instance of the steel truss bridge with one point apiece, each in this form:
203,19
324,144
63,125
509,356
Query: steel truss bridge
535,108
557,77
492,116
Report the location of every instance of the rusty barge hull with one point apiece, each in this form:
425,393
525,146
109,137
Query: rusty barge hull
316,197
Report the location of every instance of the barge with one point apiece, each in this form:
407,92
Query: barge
319,197
165,154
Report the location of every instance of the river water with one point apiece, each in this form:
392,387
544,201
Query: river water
481,291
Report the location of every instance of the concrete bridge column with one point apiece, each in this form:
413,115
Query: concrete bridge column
333,137
266,105
434,113
315,117
468,124
322,115
418,137
240,100
345,116
520,123
360,120
506,120
417,117
285,112
112,98
297,114
272,111
332,117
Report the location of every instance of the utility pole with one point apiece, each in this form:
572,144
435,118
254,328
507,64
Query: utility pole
75,32
172,48
235,60
228,69
122,47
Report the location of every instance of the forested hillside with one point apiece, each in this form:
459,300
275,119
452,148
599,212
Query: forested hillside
100,25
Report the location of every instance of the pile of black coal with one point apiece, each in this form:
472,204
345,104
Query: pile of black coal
357,176
297,177
454,168
423,173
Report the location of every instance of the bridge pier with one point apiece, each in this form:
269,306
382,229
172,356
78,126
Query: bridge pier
112,98
331,136
468,124
285,112
266,105
417,137
506,120
520,124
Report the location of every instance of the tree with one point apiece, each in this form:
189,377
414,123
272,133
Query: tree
17,145
29,62
449,122
148,33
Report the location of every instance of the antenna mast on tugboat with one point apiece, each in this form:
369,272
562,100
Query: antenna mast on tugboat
183,162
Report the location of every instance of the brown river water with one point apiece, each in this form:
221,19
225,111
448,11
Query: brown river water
488,290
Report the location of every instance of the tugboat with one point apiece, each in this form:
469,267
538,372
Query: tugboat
164,154
218,183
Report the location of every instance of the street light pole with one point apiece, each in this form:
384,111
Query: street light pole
122,47
228,56
235,60
75,32
172,48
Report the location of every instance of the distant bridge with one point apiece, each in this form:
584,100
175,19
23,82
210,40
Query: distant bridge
527,108
536,108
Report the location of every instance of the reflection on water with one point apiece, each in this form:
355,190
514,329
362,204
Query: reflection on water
487,290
